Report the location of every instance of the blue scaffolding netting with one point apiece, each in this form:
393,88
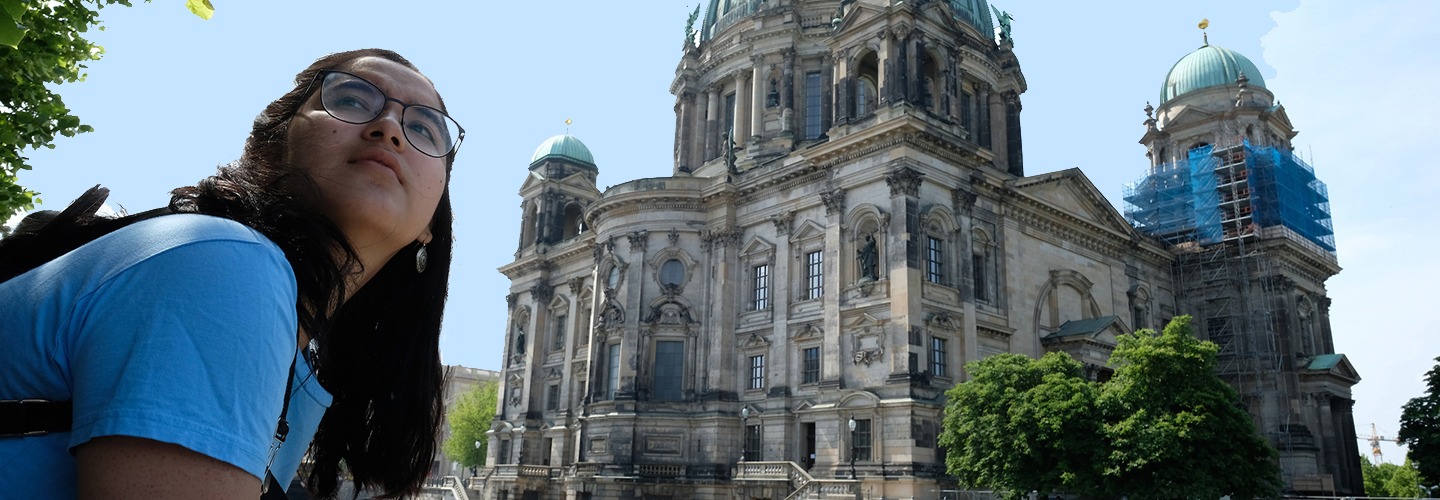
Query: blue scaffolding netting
1195,199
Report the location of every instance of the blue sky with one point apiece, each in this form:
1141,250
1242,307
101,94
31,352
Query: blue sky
174,97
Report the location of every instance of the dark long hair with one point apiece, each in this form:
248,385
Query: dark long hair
378,351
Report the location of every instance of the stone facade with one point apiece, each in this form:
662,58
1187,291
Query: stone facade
847,223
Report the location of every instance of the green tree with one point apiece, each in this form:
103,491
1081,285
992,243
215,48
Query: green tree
42,45
1390,480
1174,428
1420,428
469,419
1022,425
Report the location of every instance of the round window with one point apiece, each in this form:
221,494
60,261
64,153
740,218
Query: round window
614,279
672,273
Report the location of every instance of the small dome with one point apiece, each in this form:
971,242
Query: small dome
1206,67
563,146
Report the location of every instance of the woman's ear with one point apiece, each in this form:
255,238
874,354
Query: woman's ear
425,237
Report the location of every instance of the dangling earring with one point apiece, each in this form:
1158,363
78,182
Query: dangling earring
421,259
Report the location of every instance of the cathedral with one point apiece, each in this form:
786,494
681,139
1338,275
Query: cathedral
848,221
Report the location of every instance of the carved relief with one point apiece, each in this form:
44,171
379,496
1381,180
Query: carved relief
964,200
674,237
867,338
542,292
782,222
834,200
638,240
904,180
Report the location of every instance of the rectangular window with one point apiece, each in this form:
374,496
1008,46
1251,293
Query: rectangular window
557,339
812,105
552,397
760,296
729,114
977,263
669,370
502,456
612,370
752,443
757,372
811,373
967,109
934,260
860,439
814,275
937,357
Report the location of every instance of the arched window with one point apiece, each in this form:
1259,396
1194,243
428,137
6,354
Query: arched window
574,222
982,268
864,96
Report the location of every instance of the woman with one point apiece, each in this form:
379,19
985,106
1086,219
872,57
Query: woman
318,261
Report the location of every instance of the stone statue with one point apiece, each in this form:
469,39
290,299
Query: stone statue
520,339
730,152
1004,18
868,256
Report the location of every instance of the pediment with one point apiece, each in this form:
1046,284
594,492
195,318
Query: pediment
1187,115
753,340
857,12
1333,365
808,331
804,406
756,246
1280,118
808,230
1070,192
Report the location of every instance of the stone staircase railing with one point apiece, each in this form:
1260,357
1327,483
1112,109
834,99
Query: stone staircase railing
805,486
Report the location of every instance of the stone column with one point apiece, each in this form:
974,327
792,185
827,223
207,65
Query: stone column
683,111
757,99
695,139
712,124
827,82
997,131
743,107
886,68
982,116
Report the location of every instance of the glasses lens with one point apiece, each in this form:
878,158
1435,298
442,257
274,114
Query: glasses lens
350,99
430,131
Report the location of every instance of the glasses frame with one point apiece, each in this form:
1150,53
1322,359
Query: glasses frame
404,106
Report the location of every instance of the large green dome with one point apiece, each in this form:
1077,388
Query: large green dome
721,14
1206,67
563,146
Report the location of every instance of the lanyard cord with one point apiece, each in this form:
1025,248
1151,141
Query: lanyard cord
282,427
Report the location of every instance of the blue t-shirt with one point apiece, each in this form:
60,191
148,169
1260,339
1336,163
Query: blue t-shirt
179,329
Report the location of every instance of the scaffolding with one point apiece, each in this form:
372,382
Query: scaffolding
1216,208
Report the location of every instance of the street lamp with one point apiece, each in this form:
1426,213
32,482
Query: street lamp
744,432
472,467
851,424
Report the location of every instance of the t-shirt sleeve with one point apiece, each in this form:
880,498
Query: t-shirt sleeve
190,346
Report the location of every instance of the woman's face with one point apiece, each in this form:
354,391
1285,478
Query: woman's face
372,182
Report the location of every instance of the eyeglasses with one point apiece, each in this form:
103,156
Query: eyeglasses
352,99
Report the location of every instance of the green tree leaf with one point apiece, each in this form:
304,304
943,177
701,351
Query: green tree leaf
1174,426
1420,428
201,8
469,419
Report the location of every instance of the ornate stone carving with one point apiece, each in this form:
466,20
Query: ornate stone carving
638,240
963,200
782,222
868,356
904,180
834,200
719,238
674,237
577,284
542,292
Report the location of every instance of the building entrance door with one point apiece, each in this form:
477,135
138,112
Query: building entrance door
807,446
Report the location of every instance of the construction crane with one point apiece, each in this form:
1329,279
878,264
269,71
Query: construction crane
1374,438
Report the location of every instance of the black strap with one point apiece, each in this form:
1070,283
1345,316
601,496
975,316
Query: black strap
33,417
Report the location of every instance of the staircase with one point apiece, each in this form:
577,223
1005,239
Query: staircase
793,477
